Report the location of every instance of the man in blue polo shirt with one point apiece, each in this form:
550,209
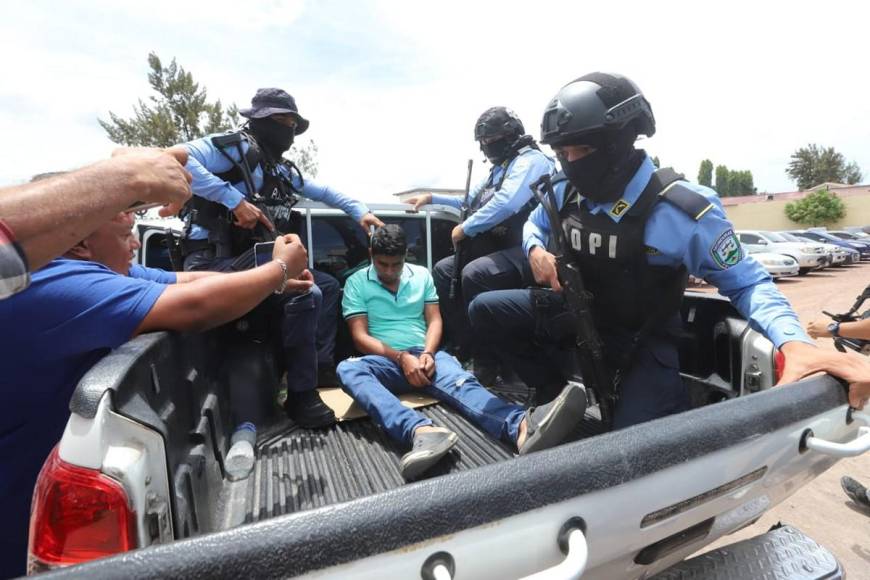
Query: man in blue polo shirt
392,310
77,309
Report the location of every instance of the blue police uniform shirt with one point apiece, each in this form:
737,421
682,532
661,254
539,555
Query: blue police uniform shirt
73,314
152,274
707,247
514,193
206,159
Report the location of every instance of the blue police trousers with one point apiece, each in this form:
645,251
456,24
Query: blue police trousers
536,340
500,270
296,317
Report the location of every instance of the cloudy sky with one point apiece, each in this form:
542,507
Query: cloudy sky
393,88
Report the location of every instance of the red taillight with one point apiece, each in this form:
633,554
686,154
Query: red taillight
778,366
77,515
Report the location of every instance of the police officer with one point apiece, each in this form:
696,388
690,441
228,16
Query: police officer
243,190
492,233
635,234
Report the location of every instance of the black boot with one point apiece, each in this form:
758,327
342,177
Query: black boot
307,410
326,377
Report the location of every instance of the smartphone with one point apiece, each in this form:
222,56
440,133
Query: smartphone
137,206
263,253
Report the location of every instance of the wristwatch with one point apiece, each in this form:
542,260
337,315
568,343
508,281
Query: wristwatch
834,328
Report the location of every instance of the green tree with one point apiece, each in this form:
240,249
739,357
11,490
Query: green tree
656,162
723,185
816,209
853,173
812,165
180,112
741,183
730,183
705,173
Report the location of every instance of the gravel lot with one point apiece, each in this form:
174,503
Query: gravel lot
821,509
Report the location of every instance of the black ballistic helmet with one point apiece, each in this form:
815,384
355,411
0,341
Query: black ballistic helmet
498,122
595,105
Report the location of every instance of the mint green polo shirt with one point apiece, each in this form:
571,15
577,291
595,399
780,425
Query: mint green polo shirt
397,319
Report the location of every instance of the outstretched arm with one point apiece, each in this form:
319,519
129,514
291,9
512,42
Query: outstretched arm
213,300
51,215
859,329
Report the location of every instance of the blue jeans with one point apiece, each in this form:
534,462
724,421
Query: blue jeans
373,381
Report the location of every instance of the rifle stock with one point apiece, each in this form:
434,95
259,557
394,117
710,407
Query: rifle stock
458,252
596,375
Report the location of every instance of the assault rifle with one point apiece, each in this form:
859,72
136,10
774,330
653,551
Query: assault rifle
597,377
856,344
459,253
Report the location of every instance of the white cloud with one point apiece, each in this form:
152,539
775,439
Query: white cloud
742,83
250,16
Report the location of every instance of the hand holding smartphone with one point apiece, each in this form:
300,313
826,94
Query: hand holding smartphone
263,253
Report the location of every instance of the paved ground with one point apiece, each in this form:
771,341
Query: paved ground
821,510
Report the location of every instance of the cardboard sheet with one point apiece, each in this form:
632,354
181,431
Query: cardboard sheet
346,409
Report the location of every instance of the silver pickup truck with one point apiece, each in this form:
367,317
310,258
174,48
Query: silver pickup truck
150,428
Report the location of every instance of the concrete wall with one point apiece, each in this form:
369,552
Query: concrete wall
770,215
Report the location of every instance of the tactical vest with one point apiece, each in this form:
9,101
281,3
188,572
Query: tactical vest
275,197
630,296
509,233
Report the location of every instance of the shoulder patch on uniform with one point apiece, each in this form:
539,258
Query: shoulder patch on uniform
688,200
726,250
650,251
619,208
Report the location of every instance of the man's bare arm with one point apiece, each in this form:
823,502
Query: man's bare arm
213,300
185,277
411,366
858,329
365,342
433,327
50,216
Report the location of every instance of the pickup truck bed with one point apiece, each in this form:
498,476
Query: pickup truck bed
332,503
300,469
648,495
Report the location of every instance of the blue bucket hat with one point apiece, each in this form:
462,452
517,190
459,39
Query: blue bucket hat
272,102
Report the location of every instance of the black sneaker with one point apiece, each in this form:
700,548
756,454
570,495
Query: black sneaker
549,424
307,410
856,492
429,447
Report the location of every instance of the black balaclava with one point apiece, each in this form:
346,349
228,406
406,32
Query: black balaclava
506,148
272,136
603,174
498,150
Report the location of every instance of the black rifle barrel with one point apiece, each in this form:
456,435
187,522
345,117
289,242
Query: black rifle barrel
596,375
458,257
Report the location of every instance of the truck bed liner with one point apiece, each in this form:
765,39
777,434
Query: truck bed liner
300,469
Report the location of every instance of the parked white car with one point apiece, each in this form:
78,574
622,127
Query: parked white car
777,265
836,254
808,256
